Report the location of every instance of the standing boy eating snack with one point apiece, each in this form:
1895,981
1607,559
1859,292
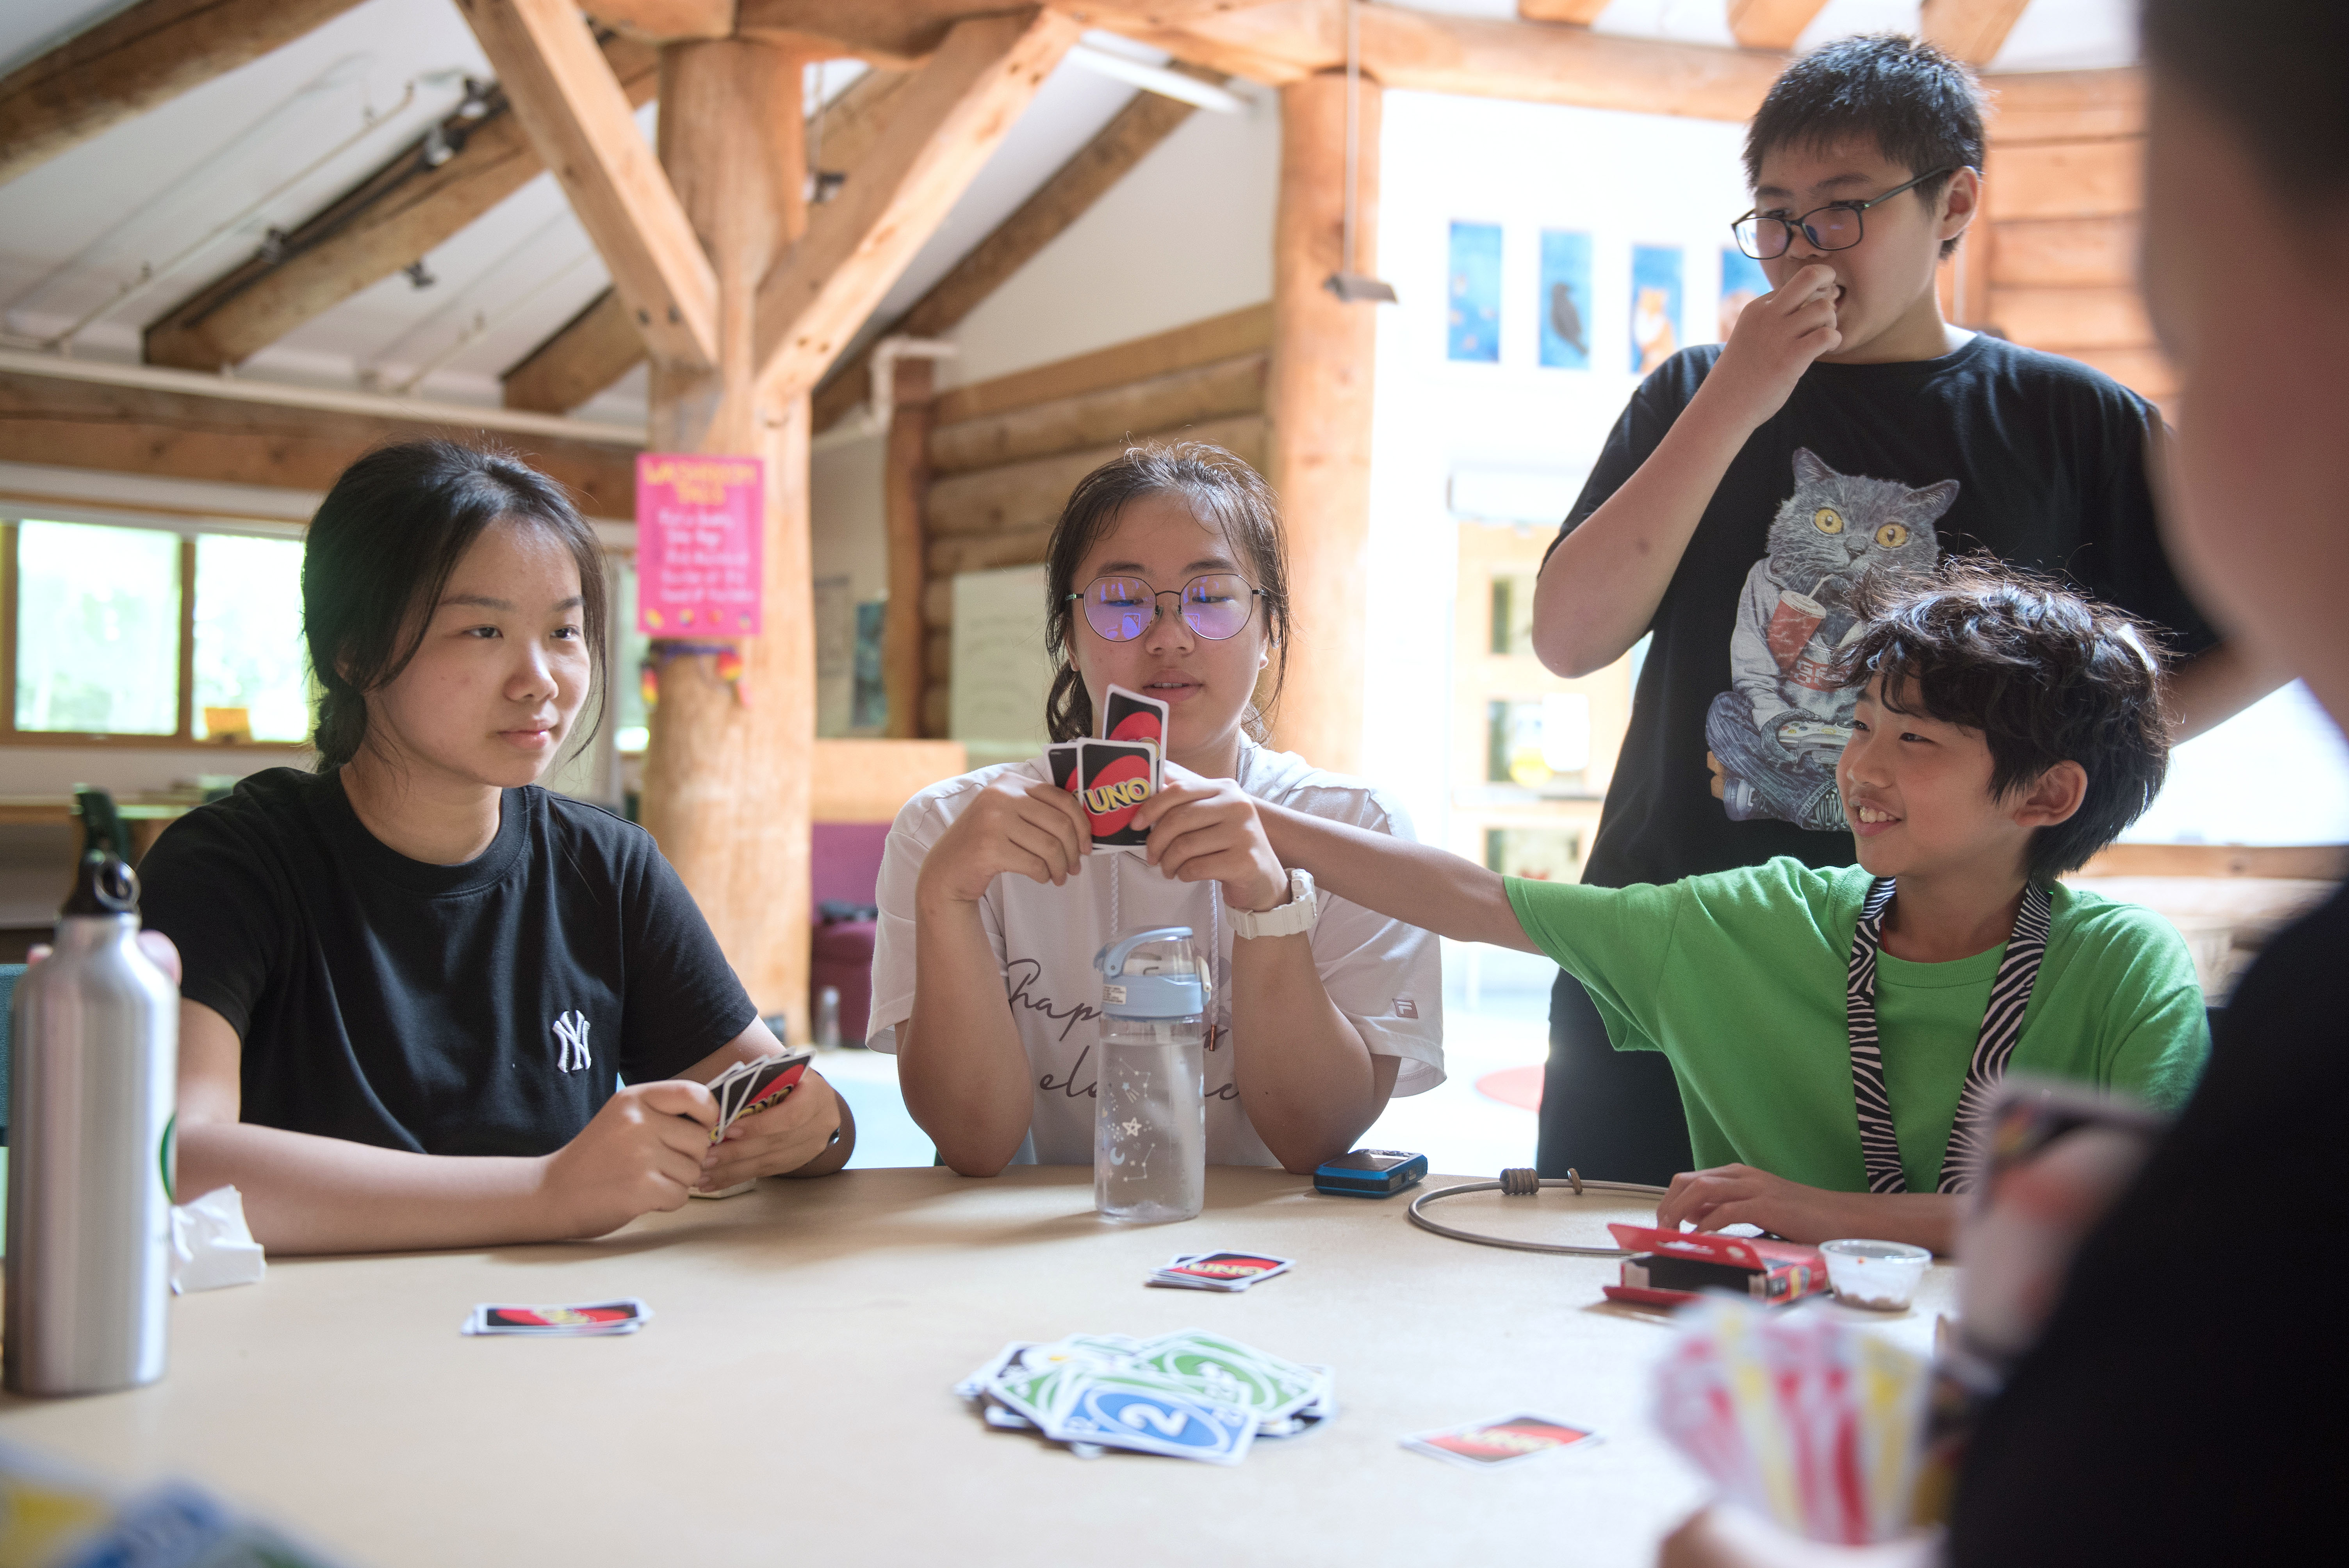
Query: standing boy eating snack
1837,1033
1846,426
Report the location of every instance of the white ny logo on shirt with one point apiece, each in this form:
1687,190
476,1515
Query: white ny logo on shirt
571,1031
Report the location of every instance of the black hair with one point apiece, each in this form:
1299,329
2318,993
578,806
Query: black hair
2277,69
1224,494
1919,107
2045,674
380,551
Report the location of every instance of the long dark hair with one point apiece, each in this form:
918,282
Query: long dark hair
1224,494
379,552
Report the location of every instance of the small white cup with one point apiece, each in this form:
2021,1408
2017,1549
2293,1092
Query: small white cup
1881,1275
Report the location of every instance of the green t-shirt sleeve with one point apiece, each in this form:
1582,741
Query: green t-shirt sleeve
1615,940
2158,1031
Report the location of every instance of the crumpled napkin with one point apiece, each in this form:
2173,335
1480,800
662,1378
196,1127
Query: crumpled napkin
210,1246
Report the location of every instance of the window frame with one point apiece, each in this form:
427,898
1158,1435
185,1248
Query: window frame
184,737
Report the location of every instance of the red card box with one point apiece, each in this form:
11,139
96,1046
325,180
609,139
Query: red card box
1670,1267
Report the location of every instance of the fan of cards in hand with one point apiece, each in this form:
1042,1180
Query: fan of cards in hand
1815,1423
1112,776
748,1088
1191,1394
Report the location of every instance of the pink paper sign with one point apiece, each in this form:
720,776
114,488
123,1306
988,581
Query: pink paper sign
700,523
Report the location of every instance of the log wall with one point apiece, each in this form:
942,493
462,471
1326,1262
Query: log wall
1004,454
2054,263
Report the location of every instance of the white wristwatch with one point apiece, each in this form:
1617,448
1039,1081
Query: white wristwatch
1287,920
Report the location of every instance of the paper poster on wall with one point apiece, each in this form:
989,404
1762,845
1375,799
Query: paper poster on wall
869,707
1565,299
701,528
1742,282
996,702
1473,328
1655,306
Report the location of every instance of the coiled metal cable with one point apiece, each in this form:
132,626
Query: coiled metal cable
1523,1181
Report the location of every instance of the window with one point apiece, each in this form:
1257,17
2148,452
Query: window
145,633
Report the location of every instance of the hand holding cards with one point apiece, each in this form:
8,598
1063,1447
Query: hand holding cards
745,1090
1112,776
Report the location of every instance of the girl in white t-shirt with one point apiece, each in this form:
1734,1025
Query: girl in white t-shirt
1167,575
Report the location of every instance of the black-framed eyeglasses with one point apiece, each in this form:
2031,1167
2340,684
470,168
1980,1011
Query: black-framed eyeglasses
1215,604
1838,226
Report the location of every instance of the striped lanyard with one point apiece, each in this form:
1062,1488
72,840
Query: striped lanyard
2002,1025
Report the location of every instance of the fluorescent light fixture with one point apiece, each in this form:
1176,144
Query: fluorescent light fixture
1157,80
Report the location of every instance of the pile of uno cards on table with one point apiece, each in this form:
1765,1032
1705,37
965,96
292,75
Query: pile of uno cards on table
1191,1394
1815,1423
1115,775
53,1515
588,1320
1232,1271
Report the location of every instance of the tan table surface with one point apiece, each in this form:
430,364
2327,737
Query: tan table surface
790,1400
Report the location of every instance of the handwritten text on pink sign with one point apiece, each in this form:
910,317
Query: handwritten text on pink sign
700,526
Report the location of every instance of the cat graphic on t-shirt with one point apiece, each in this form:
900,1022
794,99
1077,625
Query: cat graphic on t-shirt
1775,735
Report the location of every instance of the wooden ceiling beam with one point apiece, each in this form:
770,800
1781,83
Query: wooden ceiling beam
1972,30
1430,52
1145,121
580,120
193,436
899,35
1574,13
953,115
389,221
600,345
134,61
664,21
1770,24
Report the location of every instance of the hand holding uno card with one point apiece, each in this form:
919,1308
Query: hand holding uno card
1114,778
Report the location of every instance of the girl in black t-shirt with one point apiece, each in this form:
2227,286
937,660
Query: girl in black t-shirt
415,981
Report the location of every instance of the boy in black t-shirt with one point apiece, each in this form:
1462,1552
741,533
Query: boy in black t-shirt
1844,427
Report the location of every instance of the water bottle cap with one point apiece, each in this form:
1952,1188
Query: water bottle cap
1157,991
103,885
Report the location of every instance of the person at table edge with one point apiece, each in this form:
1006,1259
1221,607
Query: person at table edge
428,1003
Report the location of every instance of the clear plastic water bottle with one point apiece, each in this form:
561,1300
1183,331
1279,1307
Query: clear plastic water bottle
1149,1127
89,1152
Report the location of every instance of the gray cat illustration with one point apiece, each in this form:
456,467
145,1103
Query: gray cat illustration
1775,735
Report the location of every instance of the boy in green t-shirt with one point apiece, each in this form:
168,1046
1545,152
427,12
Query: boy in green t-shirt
1837,1033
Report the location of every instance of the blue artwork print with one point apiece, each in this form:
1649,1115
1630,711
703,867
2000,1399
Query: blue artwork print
1565,299
1655,306
1742,282
1473,329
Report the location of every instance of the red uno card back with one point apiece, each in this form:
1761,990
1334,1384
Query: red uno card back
602,1315
1227,1266
1129,716
1485,1445
1114,778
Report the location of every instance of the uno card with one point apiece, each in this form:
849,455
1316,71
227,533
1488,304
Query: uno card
1500,1442
1222,1270
1060,757
1118,1410
1114,778
1129,716
601,1317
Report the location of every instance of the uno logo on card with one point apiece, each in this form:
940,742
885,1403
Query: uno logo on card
1116,790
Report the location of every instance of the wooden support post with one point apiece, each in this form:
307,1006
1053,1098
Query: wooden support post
1318,399
905,488
727,780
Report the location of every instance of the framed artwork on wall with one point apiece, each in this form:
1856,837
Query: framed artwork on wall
1742,282
1473,321
1655,306
1565,299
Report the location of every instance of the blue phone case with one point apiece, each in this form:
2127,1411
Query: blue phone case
1373,1176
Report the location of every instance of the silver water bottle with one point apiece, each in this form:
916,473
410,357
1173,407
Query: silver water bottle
92,1092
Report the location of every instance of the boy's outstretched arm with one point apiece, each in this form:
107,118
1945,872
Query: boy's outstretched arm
1417,883
1741,1194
